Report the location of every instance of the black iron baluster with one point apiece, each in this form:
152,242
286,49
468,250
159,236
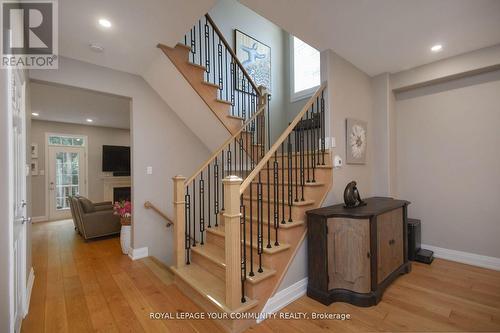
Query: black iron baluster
225,67
209,194
268,207
202,208
194,212
228,170
260,238
323,128
187,224
296,166
207,50
216,184
289,178
251,231
213,53
221,70
302,170
201,50
313,155
231,81
308,150
222,177
283,184
276,198
318,131
193,43
243,233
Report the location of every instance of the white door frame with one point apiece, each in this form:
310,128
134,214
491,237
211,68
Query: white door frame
16,314
85,161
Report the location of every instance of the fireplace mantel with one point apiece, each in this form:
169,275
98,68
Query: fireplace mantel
111,182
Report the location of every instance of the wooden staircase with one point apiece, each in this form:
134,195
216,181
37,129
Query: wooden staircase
240,219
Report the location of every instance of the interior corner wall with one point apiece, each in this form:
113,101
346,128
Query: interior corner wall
159,139
96,138
349,96
229,15
449,163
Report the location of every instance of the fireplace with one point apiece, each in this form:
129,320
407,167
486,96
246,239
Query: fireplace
121,193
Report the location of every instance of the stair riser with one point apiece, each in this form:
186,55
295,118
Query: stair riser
320,175
209,265
297,161
298,212
267,258
309,191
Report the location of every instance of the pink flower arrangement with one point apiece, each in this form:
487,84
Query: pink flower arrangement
124,210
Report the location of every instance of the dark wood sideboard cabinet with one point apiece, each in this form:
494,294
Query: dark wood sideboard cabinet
355,253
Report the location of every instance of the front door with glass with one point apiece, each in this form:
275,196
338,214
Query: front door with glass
66,178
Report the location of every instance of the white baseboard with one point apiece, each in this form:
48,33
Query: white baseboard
284,297
39,219
29,288
465,257
139,253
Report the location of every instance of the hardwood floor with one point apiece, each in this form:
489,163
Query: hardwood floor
92,287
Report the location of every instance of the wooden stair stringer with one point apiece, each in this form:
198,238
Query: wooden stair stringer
194,75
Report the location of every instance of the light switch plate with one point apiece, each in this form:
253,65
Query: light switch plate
149,170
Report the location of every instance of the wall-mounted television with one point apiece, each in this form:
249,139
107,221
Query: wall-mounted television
116,159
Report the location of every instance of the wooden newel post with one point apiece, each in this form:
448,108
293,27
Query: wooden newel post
179,221
233,241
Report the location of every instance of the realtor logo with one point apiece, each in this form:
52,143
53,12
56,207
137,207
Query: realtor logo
29,34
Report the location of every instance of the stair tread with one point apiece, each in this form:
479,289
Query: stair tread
293,184
294,203
275,249
210,84
287,225
236,117
225,102
209,286
184,46
198,66
318,166
216,254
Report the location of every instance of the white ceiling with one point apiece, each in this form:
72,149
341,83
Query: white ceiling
74,105
137,27
387,35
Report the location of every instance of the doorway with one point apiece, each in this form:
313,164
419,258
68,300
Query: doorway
67,176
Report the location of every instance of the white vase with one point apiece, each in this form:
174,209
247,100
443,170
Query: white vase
125,238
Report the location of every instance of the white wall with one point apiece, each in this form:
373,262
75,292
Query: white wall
159,139
449,162
96,136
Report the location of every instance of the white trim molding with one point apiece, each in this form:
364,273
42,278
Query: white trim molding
37,219
284,297
29,288
465,257
136,254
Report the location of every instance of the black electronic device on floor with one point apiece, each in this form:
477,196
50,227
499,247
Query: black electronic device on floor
415,253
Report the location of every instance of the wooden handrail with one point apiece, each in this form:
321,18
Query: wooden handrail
149,205
224,145
281,139
231,52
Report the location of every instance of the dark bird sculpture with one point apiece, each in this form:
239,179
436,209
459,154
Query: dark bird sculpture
351,196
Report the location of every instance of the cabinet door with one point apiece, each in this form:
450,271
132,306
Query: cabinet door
349,254
390,242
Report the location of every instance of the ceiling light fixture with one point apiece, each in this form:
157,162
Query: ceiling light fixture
89,120
35,114
105,23
437,48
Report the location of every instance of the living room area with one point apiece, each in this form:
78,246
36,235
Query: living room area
80,157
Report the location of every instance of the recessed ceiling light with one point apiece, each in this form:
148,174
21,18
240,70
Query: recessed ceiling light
96,48
35,114
105,23
437,48
89,120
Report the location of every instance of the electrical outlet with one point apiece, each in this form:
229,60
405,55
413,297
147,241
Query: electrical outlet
149,170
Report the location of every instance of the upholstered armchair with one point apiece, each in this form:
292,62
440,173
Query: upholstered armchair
94,219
